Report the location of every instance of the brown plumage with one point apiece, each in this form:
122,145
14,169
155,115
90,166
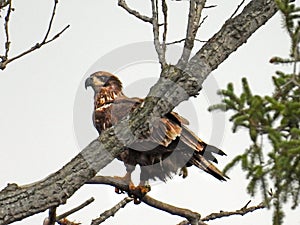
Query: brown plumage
169,149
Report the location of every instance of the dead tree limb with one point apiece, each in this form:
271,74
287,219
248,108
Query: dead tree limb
242,211
196,7
111,212
16,202
160,49
123,4
6,24
76,209
186,213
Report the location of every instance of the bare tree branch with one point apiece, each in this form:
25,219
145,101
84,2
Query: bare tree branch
155,25
51,219
165,13
7,17
81,206
241,212
111,212
6,60
192,217
186,213
173,87
52,216
51,21
181,40
202,22
210,6
196,7
123,4
159,47
237,9
244,210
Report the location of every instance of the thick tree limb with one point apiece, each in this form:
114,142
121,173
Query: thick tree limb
173,87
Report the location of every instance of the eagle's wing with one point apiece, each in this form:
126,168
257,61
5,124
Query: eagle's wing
162,130
166,131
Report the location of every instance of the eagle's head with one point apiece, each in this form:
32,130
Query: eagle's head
103,80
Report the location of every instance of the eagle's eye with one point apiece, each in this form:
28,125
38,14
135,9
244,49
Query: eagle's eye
101,79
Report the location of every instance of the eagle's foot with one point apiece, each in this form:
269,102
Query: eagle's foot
139,192
127,180
143,189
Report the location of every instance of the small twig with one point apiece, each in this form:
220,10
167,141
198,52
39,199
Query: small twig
237,9
241,212
210,6
245,207
111,212
7,17
183,39
244,210
51,21
64,215
202,22
196,7
123,4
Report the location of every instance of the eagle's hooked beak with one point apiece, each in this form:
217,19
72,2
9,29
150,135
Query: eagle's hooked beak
89,82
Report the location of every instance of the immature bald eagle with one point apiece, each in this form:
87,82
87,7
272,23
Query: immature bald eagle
169,149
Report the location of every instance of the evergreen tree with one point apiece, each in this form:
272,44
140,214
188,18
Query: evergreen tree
273,119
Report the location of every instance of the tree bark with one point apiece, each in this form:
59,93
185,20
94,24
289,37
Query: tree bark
174,86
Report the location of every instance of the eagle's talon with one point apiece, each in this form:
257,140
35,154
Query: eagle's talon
136,201
143,190
131,187
119,191
127,180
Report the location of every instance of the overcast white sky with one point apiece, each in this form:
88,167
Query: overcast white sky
45,116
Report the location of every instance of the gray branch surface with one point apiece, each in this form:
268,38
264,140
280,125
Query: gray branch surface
19,202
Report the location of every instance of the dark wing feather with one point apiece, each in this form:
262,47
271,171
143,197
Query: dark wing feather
203,153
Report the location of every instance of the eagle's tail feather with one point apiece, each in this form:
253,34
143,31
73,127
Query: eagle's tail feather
202,163
203,153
